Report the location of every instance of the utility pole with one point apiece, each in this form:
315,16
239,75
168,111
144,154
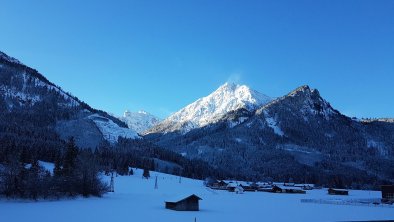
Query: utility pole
156,185
112,183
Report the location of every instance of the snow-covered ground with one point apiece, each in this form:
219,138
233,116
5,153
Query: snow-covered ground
135,199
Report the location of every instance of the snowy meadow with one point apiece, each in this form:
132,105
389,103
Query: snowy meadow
136,199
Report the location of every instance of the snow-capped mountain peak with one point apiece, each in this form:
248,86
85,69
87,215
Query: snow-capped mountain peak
139,121
206,110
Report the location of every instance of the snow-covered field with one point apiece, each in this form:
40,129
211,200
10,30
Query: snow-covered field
135,199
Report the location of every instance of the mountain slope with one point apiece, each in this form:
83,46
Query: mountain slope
139,121
29,96
297,136
207,110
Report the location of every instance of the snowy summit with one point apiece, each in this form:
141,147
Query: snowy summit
139,121
206,110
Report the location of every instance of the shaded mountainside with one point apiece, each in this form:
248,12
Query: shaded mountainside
298,136
28,98
37,120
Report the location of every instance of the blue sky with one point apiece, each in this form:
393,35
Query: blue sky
162,55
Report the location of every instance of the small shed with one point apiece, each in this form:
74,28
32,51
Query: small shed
333,191
388,192
190,203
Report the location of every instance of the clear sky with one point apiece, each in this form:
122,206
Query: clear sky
162,55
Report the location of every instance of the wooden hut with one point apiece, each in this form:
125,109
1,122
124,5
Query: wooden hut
332,191
190,203
388,192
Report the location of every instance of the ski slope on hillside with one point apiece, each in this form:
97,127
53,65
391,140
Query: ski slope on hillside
135,199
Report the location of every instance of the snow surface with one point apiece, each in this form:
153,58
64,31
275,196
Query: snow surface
135,199
379,146
47,166
111,131
207,110
273,124
139,121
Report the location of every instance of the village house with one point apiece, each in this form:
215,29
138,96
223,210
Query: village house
231,186
239,190
219,185
247,187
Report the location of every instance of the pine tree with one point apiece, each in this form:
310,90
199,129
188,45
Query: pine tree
70,157
57,171
146,174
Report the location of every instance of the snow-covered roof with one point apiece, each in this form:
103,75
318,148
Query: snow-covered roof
288,187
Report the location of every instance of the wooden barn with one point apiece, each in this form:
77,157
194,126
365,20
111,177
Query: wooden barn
332,191
248,187
287,189
388,192
219,185
190,203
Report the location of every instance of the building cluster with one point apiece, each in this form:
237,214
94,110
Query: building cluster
240,187
191,202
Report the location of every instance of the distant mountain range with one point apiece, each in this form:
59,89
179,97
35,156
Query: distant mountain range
297,137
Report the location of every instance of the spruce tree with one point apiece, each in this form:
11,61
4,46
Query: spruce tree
146,174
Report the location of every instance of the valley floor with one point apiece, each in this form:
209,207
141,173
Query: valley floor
135,199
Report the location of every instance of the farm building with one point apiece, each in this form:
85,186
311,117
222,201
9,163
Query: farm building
287,189
248,186
332,191
190,203
239,190
388,192
219,185
231,187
